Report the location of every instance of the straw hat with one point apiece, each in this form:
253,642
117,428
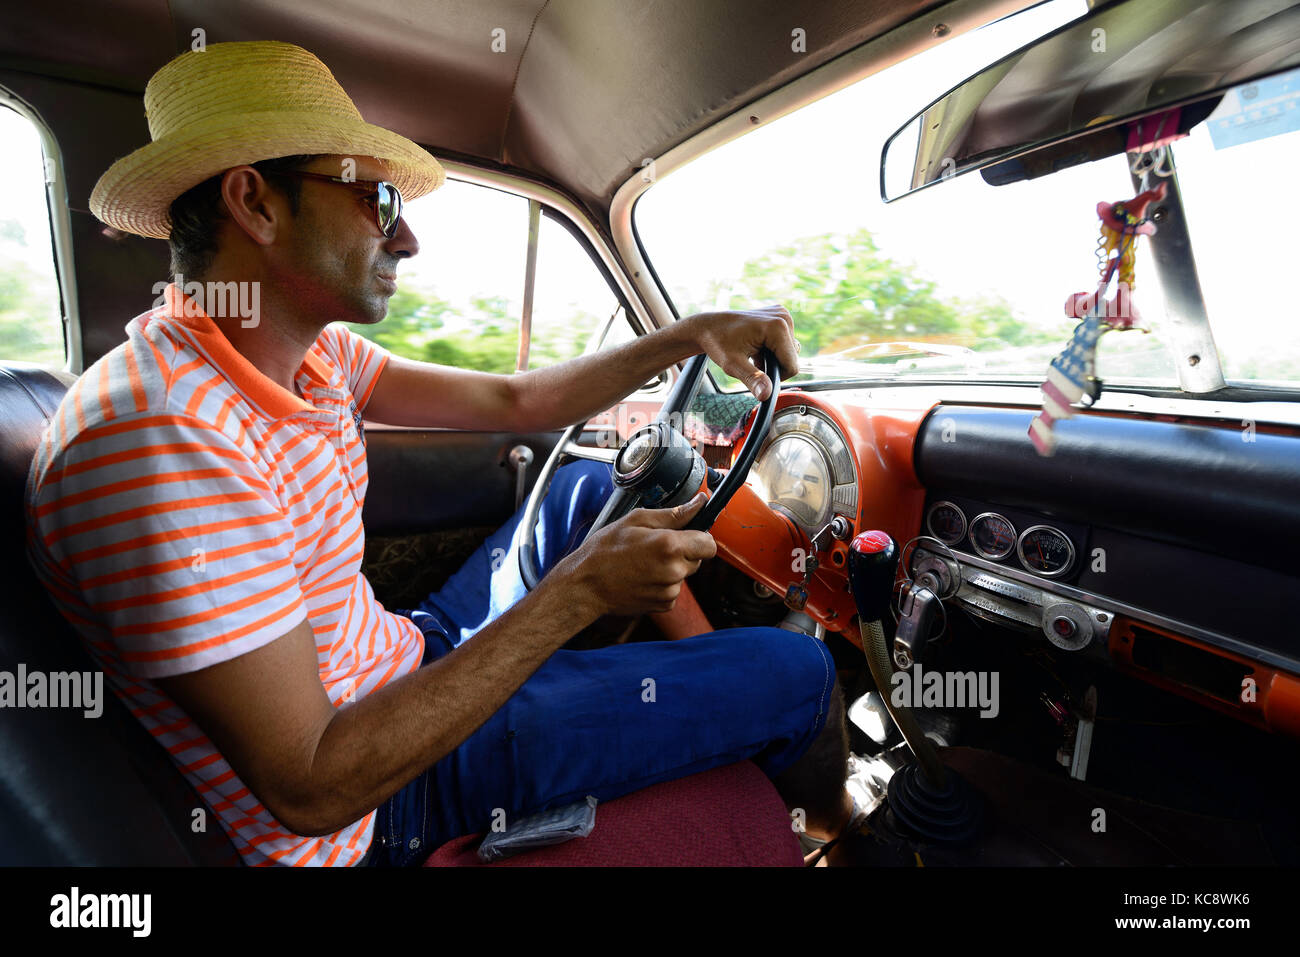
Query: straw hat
237,103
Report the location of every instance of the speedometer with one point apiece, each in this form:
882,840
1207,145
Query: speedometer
794,475
806,469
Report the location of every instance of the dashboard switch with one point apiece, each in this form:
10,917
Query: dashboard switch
1067,626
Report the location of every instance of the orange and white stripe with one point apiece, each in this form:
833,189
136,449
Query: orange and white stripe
183,509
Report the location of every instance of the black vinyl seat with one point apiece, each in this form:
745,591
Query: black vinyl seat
74,790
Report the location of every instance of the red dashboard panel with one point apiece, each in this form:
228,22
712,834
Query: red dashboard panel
770,548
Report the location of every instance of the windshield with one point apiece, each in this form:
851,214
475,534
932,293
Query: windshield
967,280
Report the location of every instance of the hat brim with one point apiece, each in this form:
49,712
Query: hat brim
136,193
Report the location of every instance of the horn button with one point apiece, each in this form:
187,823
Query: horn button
658,464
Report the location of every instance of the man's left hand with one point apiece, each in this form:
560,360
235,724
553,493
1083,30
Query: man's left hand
733,339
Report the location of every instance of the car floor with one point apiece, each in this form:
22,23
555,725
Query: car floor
1177,783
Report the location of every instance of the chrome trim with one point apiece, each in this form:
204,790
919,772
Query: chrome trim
820,426
844,499
1020,552
975,545
578,451
649,443
1227,643
642,318
521,456
964,524
999,586
992,609
1192,346
530,282
822,432
945,572
1082,620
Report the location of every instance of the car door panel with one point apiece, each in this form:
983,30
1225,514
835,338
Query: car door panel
433,497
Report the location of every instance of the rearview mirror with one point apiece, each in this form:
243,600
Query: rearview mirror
1071,96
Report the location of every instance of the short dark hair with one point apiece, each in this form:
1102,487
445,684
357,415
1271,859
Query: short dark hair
196,213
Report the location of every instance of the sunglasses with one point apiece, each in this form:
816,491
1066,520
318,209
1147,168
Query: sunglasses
385,196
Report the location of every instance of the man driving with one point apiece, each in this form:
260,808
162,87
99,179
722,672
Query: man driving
195,512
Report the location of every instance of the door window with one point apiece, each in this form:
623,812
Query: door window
31,327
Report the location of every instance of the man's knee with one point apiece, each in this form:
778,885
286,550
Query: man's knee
794,664
584,484
800,668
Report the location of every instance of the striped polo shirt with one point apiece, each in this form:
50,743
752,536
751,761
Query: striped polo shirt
183,509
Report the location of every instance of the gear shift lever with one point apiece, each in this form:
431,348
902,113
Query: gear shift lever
933,802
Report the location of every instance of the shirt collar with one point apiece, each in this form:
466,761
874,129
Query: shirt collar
273,400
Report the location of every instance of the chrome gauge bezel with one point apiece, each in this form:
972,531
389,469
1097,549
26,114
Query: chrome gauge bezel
929,524
816,427
992,556
1020,551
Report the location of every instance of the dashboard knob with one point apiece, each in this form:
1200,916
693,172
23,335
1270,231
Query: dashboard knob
1067,626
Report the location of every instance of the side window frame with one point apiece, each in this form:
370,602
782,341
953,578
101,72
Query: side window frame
56,204
564,212
638,328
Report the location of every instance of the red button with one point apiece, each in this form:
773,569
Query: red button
1063,627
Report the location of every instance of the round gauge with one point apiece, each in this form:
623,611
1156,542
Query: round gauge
793,474
947,523
992,535
1045,551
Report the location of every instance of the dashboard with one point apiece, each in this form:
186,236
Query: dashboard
1153,543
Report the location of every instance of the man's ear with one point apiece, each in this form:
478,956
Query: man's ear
260,211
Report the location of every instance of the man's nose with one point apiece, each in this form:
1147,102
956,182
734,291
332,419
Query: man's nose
403,244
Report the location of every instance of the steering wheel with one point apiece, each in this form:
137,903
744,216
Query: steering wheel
656,467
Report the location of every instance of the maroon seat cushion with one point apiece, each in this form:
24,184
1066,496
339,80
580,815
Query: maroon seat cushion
730,816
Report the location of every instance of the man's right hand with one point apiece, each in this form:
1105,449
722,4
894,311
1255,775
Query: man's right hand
636,565
317,767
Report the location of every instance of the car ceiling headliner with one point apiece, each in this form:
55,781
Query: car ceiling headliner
585,90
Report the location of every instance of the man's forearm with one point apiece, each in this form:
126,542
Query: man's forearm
372,748
425,395
573,391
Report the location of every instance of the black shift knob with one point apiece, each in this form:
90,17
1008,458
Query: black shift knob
873,563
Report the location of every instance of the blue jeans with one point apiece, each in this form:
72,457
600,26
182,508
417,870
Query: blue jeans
603,722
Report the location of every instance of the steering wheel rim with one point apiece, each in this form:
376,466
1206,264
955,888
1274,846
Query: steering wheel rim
624,500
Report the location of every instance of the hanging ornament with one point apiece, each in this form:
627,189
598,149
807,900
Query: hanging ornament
1071,375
